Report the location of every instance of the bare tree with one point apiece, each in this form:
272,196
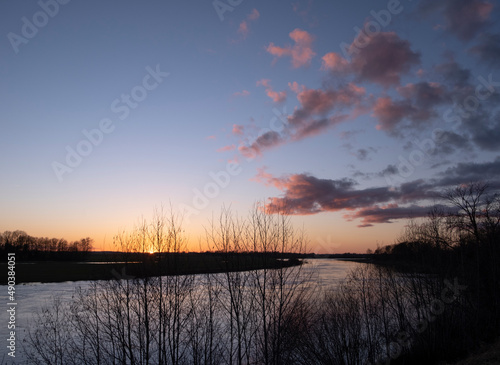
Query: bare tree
49,341
467,198
226,236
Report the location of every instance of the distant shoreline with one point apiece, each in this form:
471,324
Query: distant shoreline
101,266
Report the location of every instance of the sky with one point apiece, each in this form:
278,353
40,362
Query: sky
354,115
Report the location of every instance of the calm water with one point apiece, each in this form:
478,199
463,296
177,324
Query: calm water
31,297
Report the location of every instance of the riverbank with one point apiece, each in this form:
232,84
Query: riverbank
106,266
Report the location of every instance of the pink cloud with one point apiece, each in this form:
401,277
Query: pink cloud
418,105
273,139
254,15
264,142
389,113
226,148
295,87
235,159
276,96
321,102
304,194
267,179
211,137
241,93
301,52
382,58
315,127
237,129
333,61
387,214
317,101
244,27
311,118
359,90
249,151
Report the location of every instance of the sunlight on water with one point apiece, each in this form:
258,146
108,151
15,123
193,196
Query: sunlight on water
328,272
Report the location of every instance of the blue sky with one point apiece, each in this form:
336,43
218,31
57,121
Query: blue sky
354,114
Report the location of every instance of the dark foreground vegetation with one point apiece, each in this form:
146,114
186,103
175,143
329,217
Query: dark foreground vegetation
432,297
460,242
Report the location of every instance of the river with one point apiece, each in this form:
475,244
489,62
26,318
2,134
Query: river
31,297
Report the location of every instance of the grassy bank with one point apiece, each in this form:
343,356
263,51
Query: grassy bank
105,266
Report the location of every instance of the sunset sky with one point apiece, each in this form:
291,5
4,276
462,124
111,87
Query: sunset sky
353,112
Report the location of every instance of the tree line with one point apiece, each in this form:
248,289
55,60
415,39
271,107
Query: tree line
29,247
